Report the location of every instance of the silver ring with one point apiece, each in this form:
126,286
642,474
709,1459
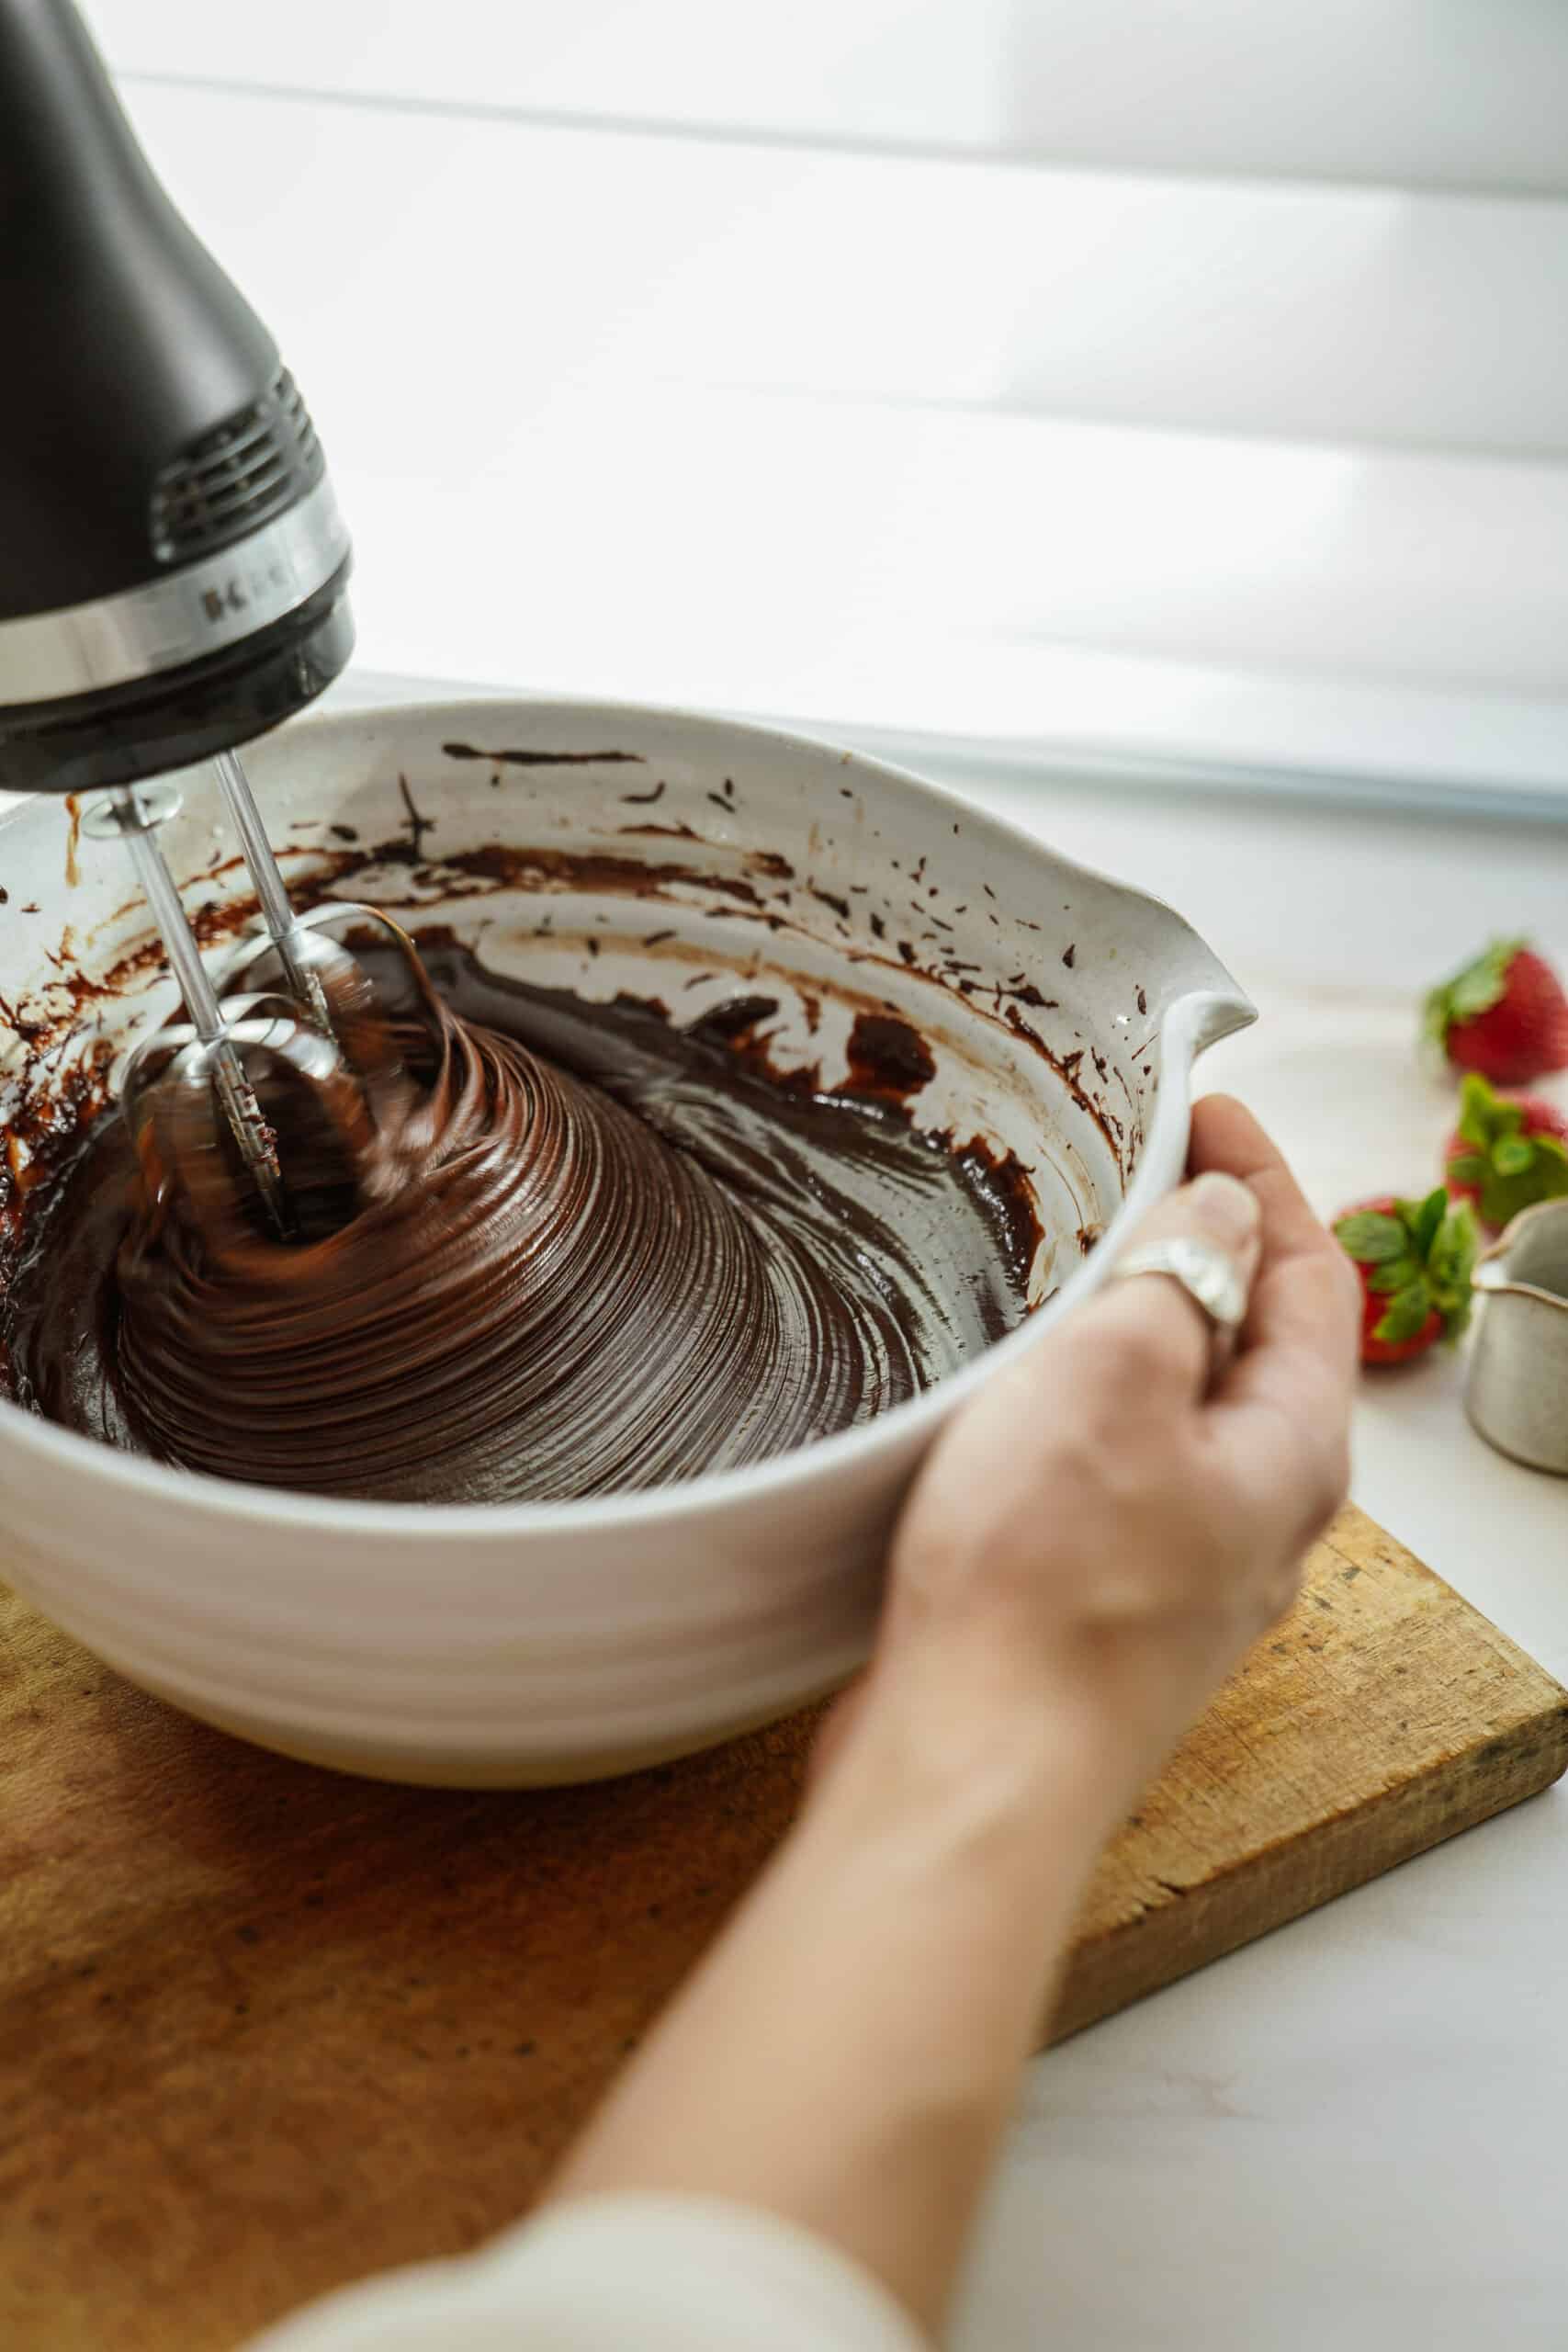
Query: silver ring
1206,1273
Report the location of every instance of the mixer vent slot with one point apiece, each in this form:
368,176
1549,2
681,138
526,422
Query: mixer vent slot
258,461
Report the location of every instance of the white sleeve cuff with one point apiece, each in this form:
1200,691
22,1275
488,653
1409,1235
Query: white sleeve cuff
604,2274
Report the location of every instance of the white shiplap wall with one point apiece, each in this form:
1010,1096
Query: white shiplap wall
1460,94
1184,380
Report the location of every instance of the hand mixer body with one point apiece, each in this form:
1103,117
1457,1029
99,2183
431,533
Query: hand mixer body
173,567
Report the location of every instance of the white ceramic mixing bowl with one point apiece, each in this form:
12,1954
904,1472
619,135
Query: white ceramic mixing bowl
676,857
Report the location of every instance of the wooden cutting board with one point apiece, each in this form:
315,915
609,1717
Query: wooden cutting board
263,2028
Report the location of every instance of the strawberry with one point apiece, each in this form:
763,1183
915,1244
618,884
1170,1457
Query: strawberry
1508,1152
1414,1258
1505,1015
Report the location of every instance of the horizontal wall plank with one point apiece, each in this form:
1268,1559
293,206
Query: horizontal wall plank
1316,315
1474,93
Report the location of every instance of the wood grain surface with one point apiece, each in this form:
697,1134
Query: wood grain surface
263,2028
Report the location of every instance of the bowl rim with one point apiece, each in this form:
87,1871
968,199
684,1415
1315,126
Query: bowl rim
1192,1020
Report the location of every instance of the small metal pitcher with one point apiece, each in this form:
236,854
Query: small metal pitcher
1516,1393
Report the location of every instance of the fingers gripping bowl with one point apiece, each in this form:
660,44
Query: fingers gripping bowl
614,852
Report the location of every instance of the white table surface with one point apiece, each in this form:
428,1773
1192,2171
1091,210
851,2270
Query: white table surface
1350,2135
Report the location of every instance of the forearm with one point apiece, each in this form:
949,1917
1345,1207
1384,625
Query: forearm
846,2056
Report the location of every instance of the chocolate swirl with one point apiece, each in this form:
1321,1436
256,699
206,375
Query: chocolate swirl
549,1283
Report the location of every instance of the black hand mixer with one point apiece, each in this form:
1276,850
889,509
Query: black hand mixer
174,568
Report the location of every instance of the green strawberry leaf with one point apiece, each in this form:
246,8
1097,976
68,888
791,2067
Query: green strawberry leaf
1454,1253
1545,1179
1429,1218
1508,1168
1394,1274
1476,1112
1472,990
1478,986
1437,1017
1511,1155
1370,1238
1406,1315
1484,1115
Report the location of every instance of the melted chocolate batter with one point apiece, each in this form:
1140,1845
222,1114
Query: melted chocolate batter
591,1252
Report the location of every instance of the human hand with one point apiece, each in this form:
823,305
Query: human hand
1091,1546
1114,1519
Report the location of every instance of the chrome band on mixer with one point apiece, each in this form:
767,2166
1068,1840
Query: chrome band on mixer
185,617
